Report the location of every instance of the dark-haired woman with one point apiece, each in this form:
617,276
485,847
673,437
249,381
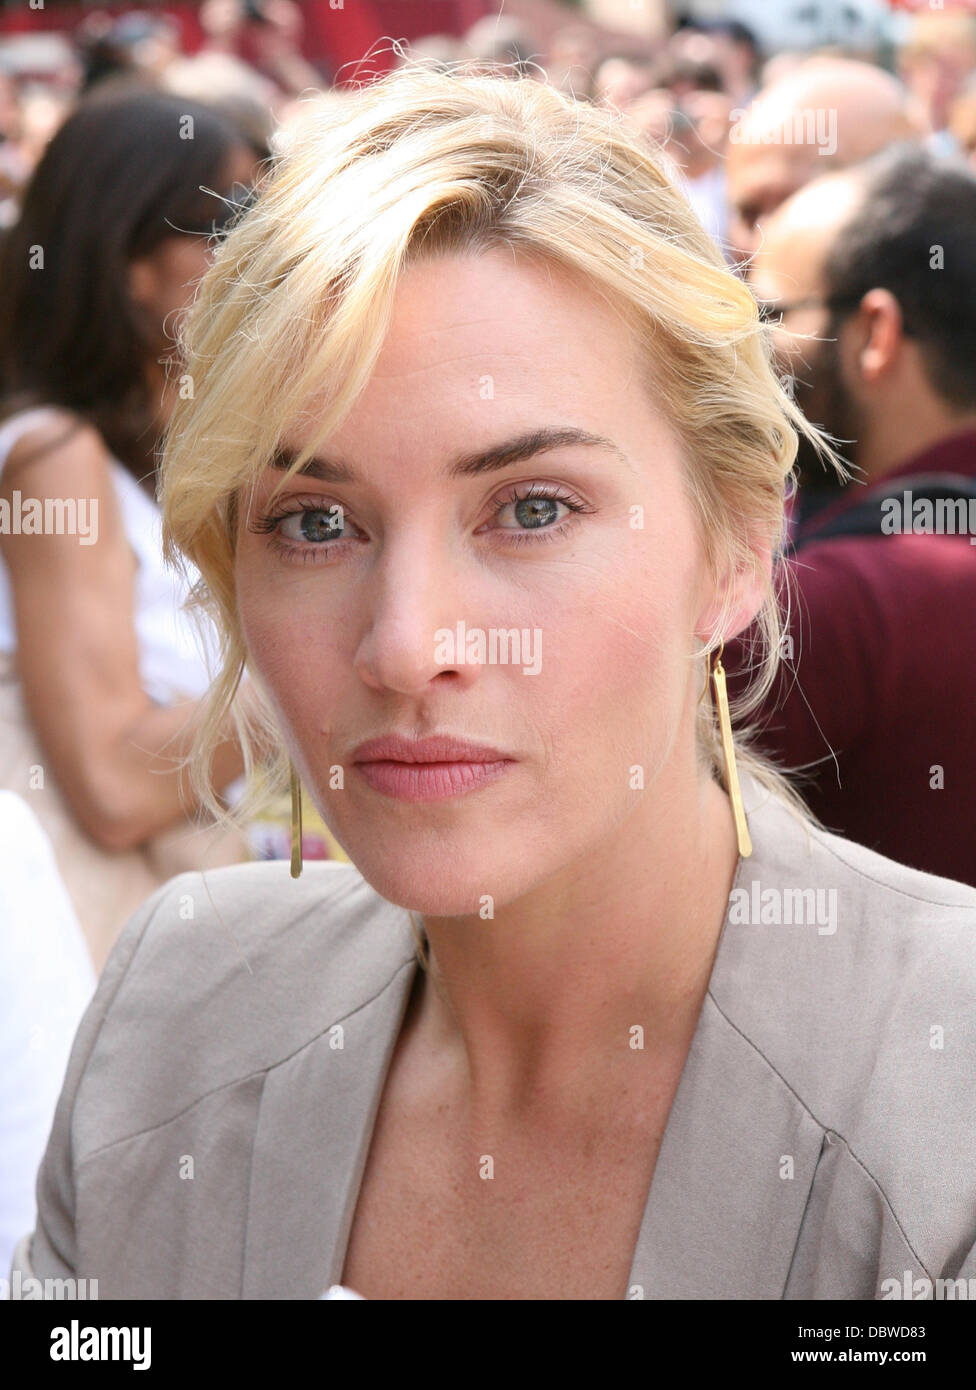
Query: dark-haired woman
100,669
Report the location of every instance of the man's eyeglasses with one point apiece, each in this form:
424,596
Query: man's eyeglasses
773,310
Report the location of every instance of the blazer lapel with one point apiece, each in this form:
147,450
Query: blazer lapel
724,1209
315,1124
733,1175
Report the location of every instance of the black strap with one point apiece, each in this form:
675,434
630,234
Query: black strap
866,518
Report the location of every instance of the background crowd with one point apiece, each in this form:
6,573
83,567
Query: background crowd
837,175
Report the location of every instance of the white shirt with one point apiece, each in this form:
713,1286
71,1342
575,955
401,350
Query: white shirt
707,195
46,981
173,652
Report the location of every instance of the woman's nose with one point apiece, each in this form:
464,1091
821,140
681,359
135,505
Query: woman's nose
413,605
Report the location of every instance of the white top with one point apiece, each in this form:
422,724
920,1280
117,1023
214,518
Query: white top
173,645
707,196
46,981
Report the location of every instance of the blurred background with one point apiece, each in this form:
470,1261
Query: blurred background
682,65
747,102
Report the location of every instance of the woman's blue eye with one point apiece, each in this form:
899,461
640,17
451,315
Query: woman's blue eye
319,528
314,526
536,511
532,513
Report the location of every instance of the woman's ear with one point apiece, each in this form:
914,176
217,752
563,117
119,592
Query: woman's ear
735,599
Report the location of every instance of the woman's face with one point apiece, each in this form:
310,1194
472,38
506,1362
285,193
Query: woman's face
163,282
353,626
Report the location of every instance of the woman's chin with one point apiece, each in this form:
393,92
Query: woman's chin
442,887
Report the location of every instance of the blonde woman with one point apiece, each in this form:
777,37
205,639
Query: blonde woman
485,462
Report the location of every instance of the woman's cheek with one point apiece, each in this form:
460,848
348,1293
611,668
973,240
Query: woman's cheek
286,650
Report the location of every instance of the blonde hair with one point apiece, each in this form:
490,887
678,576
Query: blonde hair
424,163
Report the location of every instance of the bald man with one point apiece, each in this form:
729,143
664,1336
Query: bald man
827,114
788,278
870,276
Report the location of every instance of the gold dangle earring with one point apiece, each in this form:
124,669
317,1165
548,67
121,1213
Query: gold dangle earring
728,752
296,825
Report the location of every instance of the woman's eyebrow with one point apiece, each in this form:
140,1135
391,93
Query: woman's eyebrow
490,460
525,446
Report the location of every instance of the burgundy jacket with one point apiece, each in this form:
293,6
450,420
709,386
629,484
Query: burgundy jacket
882,708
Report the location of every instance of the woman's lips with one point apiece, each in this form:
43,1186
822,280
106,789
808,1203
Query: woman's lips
434,781
428,769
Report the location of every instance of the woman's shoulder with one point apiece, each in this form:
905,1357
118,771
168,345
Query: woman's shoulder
869,888
222,975
852,980
252,927
42,425
841,937
59,437
269,917
827,939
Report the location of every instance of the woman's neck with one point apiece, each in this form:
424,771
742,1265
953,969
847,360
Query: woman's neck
548,993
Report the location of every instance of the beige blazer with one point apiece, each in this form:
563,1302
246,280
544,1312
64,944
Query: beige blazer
821,1143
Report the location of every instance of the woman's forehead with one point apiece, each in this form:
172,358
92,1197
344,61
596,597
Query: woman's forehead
492,301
